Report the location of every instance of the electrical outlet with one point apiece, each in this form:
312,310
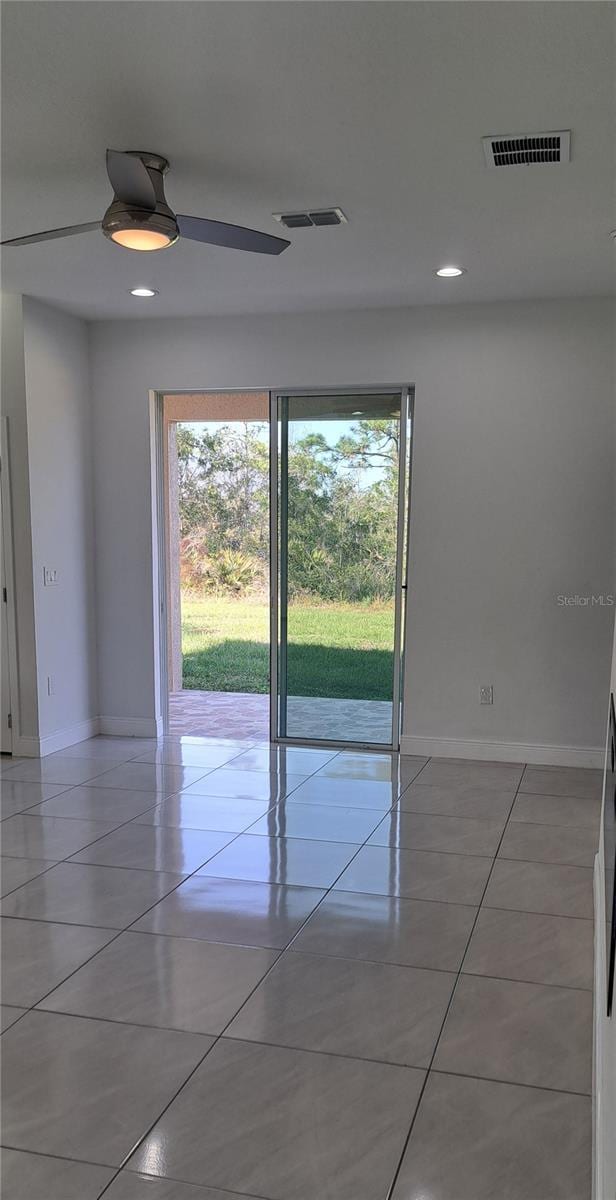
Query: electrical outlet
51,687
486,694
50,576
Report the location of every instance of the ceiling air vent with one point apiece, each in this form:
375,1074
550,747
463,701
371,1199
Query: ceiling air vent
316,216
519,149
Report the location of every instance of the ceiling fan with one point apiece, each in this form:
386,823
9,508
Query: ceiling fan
139,217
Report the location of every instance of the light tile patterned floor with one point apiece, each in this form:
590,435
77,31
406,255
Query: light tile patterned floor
245,715
307,974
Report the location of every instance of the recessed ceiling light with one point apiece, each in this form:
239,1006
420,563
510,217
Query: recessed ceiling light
450,272
143,291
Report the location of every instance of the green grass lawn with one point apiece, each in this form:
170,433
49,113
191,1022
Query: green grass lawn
340,650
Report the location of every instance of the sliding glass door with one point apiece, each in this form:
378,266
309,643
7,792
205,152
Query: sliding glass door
339,497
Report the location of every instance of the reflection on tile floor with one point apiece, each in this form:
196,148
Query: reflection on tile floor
304,974
246,715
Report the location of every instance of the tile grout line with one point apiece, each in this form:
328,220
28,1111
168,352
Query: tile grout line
86,1162
136,1145
274,964
420,967
537,1087
279,837
417,966
50,864
171,795
221,1035
126,928
382,1062
396,1175
131,820
430,1069
89,782
118,932
288,947
107,1167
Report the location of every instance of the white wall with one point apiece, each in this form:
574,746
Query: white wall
25,704
511,501
57,382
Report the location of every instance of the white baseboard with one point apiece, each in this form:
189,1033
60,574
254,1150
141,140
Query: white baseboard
39,747
141,727
26,747
518,752
152,727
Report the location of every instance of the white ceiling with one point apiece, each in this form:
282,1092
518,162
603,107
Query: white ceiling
377,107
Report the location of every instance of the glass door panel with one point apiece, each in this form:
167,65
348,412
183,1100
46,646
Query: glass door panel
339,500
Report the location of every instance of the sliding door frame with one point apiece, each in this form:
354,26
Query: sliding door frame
160,549
273,506
401,559
278,408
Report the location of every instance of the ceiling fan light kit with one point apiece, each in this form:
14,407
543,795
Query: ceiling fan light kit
139,217
140,237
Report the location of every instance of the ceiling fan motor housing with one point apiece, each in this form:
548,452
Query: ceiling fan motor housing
161,219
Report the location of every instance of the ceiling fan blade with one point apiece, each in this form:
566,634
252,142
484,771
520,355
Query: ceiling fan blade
49,234
130,179
236,237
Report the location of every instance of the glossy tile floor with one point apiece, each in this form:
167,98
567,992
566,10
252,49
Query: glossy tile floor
235,972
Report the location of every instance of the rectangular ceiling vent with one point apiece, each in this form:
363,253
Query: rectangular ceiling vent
519,149
316,216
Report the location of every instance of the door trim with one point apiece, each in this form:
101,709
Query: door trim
156,400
